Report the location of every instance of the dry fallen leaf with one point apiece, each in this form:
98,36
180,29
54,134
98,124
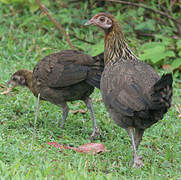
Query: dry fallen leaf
7,91
167,67
86,148
3,86
94,147
82,111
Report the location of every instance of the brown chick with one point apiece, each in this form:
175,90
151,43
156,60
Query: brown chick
133,92
64,76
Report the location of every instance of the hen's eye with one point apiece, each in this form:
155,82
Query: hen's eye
109,22
102,19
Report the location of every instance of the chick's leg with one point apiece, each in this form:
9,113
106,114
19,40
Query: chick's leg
96,131
137,160
65,110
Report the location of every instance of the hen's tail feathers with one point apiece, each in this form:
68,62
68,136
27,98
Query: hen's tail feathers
94,75
161,93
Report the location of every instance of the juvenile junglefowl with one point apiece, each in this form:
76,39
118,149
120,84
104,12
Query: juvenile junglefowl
64,76
133,93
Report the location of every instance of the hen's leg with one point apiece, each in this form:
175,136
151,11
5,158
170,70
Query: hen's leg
137,160
138,137
96,131
65,110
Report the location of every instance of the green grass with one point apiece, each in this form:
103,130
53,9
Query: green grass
26,38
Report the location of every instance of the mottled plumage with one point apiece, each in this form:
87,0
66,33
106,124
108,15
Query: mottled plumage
133,92
64,76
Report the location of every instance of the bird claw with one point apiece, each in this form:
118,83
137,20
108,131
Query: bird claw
62,125
95,133
138,162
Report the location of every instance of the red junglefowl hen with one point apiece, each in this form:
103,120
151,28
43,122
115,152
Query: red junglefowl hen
133,93
64,76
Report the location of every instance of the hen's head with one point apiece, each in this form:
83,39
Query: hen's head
18,78
103,20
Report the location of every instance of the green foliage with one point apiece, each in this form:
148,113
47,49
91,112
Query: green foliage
30,4
155,51
147,26
179,47
176,63
162,51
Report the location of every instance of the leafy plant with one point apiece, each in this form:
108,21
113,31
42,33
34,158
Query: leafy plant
146,26
30,4
162,51
156,52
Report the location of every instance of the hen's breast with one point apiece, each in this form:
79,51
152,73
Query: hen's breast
125,88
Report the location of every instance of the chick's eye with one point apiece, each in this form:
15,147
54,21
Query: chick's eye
102,19
14,79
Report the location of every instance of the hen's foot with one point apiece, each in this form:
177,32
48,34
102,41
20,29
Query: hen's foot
138,162
61,125
95,134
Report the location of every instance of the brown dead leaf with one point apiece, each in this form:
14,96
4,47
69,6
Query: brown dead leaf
94,147
7,91
82,111
86,148
3,86
167,67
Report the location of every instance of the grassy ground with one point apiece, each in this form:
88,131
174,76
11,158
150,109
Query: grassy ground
24,40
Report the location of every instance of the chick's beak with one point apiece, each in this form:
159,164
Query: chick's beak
8,83
88,22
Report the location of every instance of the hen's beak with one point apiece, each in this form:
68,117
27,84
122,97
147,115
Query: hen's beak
88,22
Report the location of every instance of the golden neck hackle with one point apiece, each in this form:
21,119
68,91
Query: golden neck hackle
115,46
